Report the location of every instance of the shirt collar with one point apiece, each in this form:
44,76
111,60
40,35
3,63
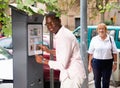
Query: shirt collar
107,38
59,32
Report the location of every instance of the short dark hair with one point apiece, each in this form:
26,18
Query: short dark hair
53,16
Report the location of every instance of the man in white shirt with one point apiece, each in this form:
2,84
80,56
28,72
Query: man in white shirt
68,59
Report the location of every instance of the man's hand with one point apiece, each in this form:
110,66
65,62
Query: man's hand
44,48
38,58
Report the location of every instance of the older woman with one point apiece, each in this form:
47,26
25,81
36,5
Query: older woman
101,58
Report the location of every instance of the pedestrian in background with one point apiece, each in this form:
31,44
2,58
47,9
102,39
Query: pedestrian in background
68,59
102,56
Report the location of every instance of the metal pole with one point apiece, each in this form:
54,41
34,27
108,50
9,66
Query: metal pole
83,33
51,58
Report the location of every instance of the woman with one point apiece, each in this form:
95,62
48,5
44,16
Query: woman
101,58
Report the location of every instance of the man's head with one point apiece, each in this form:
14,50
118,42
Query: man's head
53,22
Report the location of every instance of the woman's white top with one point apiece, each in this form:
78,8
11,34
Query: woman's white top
101,49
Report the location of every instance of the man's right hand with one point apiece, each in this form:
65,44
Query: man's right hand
38,58
44,48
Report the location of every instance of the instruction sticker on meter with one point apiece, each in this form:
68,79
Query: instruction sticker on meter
35,37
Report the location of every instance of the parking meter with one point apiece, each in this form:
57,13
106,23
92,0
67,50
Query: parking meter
26,30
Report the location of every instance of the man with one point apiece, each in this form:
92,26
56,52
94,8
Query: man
68,60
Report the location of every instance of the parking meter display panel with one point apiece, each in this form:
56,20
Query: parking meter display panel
35,37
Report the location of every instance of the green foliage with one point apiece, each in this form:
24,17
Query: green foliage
5,18
105,8
102,6
109,22
51,5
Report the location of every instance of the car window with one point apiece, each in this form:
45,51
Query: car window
119,36
94,33
111,33
77,34
6,43
4,54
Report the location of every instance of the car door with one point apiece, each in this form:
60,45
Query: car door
6,65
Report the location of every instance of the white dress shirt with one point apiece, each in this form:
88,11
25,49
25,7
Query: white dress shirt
101,49
68,59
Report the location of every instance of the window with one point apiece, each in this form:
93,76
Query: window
119,36
94,33
112,33
77,34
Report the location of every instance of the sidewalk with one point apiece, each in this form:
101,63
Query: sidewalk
91,82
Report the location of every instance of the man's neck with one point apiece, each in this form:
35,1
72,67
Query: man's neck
58,28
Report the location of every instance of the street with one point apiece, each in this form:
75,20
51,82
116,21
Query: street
90,84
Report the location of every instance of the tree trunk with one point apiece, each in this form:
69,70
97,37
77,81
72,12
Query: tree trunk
102,17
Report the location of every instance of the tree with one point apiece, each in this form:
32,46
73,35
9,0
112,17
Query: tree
51,5
27,6
5,19
66,5
101,6
58,6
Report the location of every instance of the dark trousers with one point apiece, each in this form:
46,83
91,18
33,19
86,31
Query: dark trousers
102,69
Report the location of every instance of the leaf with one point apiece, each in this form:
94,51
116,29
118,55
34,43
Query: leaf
102,11
100,7
29,2
41,11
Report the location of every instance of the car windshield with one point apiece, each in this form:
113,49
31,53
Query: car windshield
111,33
6,42
4,54
119,36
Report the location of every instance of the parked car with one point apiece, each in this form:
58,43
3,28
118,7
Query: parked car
6,42
6,65
91,31
6,62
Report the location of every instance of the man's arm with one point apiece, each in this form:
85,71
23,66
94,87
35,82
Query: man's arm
46,49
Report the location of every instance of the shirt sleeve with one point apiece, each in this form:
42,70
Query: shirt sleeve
91,47
114,48
63,57
57,65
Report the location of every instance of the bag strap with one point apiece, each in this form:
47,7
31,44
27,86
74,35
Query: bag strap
114,83
110,39
111,44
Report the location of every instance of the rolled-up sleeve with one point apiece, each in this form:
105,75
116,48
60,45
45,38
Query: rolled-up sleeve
114,46
91,47
55,65
58,66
